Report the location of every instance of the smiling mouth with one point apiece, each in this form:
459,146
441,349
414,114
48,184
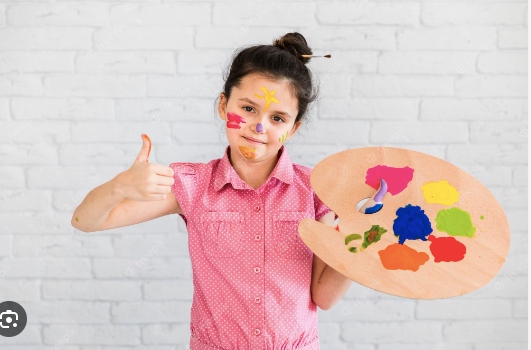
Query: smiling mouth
252,141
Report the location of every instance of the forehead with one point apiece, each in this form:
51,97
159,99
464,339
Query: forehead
253,83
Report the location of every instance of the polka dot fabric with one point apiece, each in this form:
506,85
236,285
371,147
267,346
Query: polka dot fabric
251,271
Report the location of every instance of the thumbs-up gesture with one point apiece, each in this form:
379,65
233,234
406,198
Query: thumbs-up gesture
145,181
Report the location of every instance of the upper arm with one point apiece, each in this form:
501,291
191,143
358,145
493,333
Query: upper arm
318,264
129,212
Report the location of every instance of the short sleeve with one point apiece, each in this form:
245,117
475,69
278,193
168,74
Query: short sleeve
185,186
320,208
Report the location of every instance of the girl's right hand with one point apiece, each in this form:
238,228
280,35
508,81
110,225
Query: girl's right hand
145,181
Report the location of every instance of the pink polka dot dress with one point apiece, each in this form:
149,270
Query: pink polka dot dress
251,271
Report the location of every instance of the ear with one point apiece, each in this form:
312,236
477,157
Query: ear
294,129
222,106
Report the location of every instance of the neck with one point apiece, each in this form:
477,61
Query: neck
254,173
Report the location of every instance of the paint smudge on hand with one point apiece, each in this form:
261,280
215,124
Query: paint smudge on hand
372,236
283,138
397,178
248,152
446,249
268,96
234,120
411,223
455,222
440,192
401,257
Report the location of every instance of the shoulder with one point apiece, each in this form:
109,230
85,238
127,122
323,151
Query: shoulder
302,174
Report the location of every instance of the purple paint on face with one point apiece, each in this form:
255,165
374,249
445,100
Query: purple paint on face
259,127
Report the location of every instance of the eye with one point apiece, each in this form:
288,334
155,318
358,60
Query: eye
245,107
281,119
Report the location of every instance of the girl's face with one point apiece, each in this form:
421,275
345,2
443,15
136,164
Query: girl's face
262,109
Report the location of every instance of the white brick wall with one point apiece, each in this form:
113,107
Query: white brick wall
81,80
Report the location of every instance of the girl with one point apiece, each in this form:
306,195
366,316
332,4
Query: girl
256,284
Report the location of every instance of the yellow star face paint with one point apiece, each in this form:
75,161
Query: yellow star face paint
248,152
269,97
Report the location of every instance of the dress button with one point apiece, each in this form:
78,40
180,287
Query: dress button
257,237
256,270
257,300
257,331
256,208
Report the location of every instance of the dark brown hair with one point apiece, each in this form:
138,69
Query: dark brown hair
282,60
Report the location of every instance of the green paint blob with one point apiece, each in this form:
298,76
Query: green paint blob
482,217
352,237
372,236
455,222
353,249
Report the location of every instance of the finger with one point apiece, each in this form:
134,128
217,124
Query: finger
163,170
143,156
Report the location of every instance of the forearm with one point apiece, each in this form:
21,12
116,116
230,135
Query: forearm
331,287
96,206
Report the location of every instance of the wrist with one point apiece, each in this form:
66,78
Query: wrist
116,187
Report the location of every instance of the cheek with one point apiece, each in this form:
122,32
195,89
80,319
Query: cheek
234,120
283,136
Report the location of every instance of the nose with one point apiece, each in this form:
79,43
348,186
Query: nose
259,127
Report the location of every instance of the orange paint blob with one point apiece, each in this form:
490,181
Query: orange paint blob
446,249
247,152
401,257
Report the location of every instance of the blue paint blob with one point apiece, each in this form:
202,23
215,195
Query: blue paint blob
411,223
374,209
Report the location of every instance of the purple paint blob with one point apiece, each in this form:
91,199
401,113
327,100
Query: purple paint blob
259,127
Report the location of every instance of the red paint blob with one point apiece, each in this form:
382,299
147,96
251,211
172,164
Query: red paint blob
396,178
234,121
446,248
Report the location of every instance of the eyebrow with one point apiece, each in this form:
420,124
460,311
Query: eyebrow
256,105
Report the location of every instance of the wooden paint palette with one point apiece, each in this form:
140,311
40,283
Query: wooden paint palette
440,232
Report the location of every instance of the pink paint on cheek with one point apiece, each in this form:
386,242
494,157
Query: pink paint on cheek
234,121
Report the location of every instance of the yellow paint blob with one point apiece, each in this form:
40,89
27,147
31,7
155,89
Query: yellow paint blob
247,152
269,97
440,192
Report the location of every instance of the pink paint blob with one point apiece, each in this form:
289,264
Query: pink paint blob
396,178
234,121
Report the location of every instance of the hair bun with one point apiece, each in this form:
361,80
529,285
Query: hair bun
295,44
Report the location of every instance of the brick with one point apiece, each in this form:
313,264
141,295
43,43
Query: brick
22,291
486,331
47,267
94,85
520,176
498,132
391,332
41,177
401,86
152,245
160,110
13,84
453,109
4,109
344,62
5,245
36,61
126,62
326,131
190,86
22,199
418,132
30,336
114,335
167,334
454,309
473,14
76,108
142,267
183,14
512,38
47,38
58,14
419,62
501,346
62,246
248,15
92,290
487,154
36,221
35,129
117,132
150,311
66,312
503,62
520,308
491,86
369,13
168,290
121,37
203,61
452,38
12,178
370,108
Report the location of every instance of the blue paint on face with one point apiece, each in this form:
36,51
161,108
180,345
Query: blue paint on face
411,223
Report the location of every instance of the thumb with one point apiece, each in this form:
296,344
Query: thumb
146,148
